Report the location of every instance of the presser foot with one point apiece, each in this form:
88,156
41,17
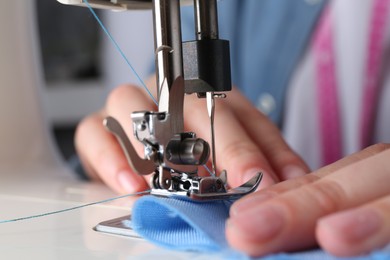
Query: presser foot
205,188
182,149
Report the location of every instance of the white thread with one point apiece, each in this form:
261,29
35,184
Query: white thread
73,208
119,50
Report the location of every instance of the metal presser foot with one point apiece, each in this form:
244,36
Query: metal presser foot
169,183
214,188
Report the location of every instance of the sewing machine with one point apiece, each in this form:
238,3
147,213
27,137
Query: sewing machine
200,67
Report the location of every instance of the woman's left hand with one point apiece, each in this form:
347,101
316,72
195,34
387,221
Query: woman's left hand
344,208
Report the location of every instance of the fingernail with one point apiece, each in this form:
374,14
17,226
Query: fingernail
126,181
353,225
292,171
249,202
257,224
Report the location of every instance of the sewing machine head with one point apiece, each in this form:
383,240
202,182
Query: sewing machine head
199,67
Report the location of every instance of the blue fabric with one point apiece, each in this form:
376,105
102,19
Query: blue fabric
171,229
267,39
180,224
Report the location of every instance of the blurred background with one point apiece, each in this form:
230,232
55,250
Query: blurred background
81,65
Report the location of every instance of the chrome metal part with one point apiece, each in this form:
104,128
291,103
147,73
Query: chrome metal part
139,165
210,101
231,194
206,19
169,61
164,178
118,5
186,149
211,111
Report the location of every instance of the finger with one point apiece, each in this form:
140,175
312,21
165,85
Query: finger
287,221
235,151
356,231
356,157
124,100
252,200
103,157
285,162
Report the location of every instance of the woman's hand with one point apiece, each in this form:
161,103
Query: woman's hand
246,141
344,207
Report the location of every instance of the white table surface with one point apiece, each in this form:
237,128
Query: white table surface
34,189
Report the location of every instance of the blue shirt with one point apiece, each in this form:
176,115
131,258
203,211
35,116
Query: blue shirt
267,39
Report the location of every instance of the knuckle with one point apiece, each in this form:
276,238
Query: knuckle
240,154
307,179
194,110
119,93
384,205
328,195
194,107
238,149
285,156
295,183
222,105
369,151
379,147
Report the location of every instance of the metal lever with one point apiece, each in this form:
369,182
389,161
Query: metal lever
139,165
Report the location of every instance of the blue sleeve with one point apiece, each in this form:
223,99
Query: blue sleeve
267,39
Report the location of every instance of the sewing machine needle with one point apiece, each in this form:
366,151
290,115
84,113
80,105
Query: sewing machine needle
211,111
